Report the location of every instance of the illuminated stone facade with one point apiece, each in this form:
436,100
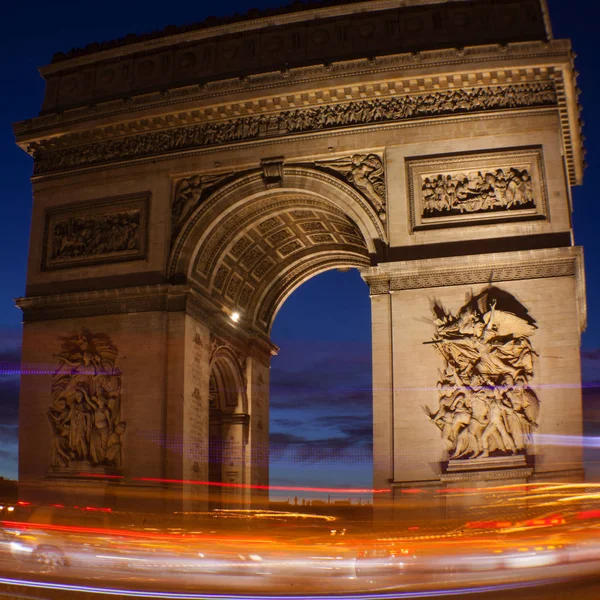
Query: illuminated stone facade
184,177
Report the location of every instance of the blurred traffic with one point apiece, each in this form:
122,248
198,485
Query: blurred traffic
515,534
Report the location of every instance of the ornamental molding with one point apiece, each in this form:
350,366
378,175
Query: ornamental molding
150,298
482,269
215,246
497,273
75,151
555,50
220,345
104,302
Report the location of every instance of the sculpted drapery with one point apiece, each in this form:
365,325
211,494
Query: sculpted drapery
85,414
486,404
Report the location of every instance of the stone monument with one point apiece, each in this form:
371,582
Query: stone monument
187,181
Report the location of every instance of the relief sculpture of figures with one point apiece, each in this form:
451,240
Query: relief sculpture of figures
188,196
477,192
365,173
85,415
486,404
96,235
299,120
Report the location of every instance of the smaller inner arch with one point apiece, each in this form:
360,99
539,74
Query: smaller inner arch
227,430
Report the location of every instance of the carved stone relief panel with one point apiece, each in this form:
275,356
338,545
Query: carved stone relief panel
364,172
476,188
85,414
189,194
107,230
486,405
50,156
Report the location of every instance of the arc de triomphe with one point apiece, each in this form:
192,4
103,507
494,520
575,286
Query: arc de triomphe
187,182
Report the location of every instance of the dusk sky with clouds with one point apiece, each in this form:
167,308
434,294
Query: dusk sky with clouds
320,382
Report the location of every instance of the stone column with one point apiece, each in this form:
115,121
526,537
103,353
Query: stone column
383,385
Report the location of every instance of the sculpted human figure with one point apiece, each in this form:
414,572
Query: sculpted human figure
365,172
188,196
468,441
58,416
488,354
114,445
86,392
496,429
476,191
523,413
100,429
80,427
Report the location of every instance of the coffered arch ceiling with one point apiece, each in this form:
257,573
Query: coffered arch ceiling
248,245
251,265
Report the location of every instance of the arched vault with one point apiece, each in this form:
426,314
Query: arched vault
248,247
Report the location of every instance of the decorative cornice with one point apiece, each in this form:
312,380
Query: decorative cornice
51,156
150,298
258,105
104,302
571,124
481,269
556,51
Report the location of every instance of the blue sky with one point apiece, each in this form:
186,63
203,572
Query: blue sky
320,399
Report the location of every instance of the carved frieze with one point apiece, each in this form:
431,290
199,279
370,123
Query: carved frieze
365,172
107,230
486,404
49,158
85,414
475,188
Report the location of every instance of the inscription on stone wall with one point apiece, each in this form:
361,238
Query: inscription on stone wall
48,158
475,188
486,404
85,414
103,231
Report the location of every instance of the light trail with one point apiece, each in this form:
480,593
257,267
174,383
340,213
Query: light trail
11,368
48,585
278,488
584,441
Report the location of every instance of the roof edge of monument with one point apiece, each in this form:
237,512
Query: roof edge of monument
555,52
217,26
213,27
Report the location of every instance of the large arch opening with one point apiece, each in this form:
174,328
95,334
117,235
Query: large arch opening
321,392
243,252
